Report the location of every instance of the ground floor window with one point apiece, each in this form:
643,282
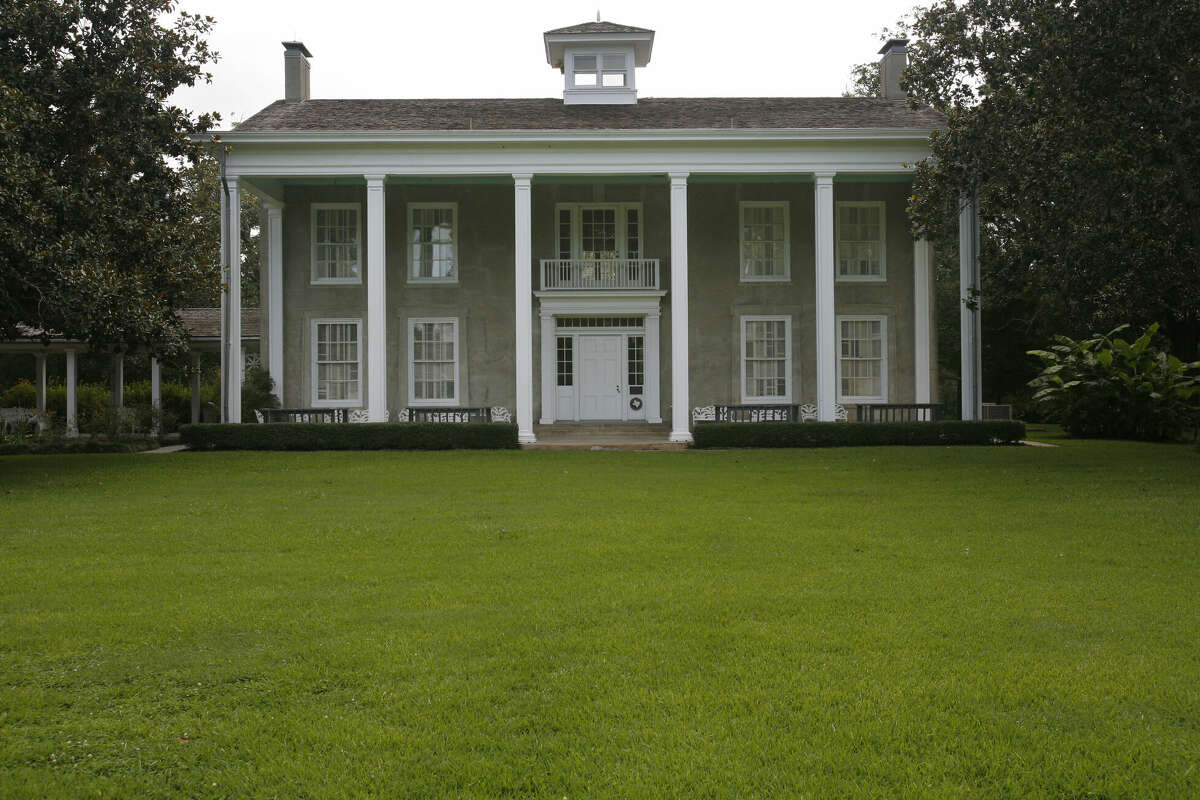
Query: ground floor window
862,361
433,361
766,359
337,362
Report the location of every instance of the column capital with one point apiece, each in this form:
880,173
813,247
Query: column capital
232,182
678,178
375,181
522,179
273,207
825,176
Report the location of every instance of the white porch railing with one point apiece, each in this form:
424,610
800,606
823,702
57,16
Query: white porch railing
595,273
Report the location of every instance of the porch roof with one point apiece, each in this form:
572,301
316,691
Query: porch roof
551,114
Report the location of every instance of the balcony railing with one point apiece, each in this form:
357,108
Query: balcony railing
599,273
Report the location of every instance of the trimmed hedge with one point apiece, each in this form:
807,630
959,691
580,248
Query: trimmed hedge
855,434
59,447
351,436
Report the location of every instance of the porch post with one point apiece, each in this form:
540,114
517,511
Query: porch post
117,380
233,289
651,352
72,400
377,409
274,241
195,387
969,305
922,330
549,370
523,259
680,409
40,358
155,395
826,320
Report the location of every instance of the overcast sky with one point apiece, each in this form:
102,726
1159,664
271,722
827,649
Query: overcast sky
452,48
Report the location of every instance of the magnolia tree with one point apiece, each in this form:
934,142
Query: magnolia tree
99,237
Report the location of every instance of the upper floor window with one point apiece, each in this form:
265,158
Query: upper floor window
432,242
599,70
860,241
336,243
599,231
764,241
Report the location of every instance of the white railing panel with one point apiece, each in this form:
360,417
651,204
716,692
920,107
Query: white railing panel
597,273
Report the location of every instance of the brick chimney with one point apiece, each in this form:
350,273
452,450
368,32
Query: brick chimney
895,59
295,72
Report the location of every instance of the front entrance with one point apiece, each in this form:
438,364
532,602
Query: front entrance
600,377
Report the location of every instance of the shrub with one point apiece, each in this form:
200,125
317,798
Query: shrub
22,394
1106,386
853,434
351,436
258,391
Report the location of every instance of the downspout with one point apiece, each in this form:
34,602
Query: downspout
225,261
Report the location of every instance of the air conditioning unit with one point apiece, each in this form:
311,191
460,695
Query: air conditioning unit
997,411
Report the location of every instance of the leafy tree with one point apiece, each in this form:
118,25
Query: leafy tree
1078,124
98,237
201,180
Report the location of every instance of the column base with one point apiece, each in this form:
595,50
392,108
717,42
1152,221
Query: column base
526,437
680,437
544,421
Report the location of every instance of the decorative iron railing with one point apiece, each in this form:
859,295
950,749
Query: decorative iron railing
899,412
599,273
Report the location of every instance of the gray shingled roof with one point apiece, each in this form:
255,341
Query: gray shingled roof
598,27
676,113
205,323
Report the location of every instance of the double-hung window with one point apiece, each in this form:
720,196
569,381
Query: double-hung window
599,231
337,362
432,241
764,241
766,359
862,359
598,70
860,241
336,243
433,362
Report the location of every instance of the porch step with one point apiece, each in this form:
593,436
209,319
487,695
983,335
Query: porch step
603,436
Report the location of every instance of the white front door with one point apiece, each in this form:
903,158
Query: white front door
600,377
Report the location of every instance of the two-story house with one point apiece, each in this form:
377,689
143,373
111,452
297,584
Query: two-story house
594,257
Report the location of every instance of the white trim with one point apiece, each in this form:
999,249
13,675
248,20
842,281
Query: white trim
922,322
605,135
410,325
377,360
681,419
523,304
316,280
786,397
312,360
883,358
274,244
837,241
408,243
787,241
826,325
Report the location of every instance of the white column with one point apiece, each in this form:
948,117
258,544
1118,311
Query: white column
117,380
377,410
523,260
195,387
681,422
652,353
969,309
274,242
40,358
549,370
233,290
922,328
155,395
72,396
826,319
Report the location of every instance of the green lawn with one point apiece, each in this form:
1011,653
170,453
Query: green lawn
922,622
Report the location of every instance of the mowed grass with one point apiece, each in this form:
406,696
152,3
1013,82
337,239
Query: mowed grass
924,622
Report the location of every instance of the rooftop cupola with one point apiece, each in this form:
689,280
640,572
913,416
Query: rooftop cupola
599,61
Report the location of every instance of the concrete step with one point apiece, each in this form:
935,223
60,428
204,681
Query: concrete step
603,436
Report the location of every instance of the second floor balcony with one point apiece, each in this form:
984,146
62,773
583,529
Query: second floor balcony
599,273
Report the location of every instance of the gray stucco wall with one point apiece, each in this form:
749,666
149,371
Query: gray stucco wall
483,301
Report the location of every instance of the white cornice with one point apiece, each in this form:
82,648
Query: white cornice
573,136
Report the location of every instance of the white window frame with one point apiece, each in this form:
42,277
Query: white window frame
599,55
787,241
318,280
622,230
837,241
358,326
786,398
883,357
454,239
410,339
